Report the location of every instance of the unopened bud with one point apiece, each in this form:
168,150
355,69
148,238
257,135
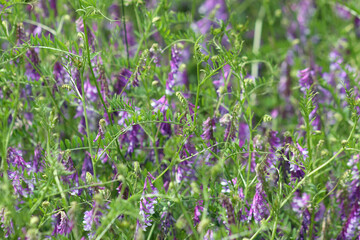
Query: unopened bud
89,177
267,118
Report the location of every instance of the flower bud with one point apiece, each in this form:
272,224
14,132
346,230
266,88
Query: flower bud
203,225
45,204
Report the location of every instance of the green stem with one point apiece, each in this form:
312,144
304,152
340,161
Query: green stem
98,88
257,40
126,41
87,125
273,235
197,91
318,168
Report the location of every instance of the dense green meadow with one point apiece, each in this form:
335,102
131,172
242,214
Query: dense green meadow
179,119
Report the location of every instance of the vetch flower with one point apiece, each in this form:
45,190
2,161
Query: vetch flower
101,133
72,179
225,202
147,204
197,212
351,227
208,130
174,66
306,79
160,105
38,160
63,225
258,208
300,202
86,167
15,159
305,225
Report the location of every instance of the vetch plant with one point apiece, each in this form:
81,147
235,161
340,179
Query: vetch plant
179,119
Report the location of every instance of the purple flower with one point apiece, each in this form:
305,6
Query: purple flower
185,171
315,118
63,225
22,187
122,78
244,134
351,226
174,66
305,224
212,9
131,138
165,128
342,12
80,28
225,202
306,79
60,75
92,218
15,159
72,179
197,212
38,160
147,204
52,4
285,77
208,130
258,208
166,222
300,202
160,105
32,66
7,225
101,132
86,167
275,145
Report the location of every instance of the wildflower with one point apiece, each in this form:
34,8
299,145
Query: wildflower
174,66
63,225
351,226
229,210
160,105
167,222
80,28
122,78
185,169
147,204
38,160
212,10
197,212
7,224
275,145
101,133
244,133
86,167
258,208
305,223
208,130
15,159
72,179
306,79
91,218
60,75
285,78
32,66
22,186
